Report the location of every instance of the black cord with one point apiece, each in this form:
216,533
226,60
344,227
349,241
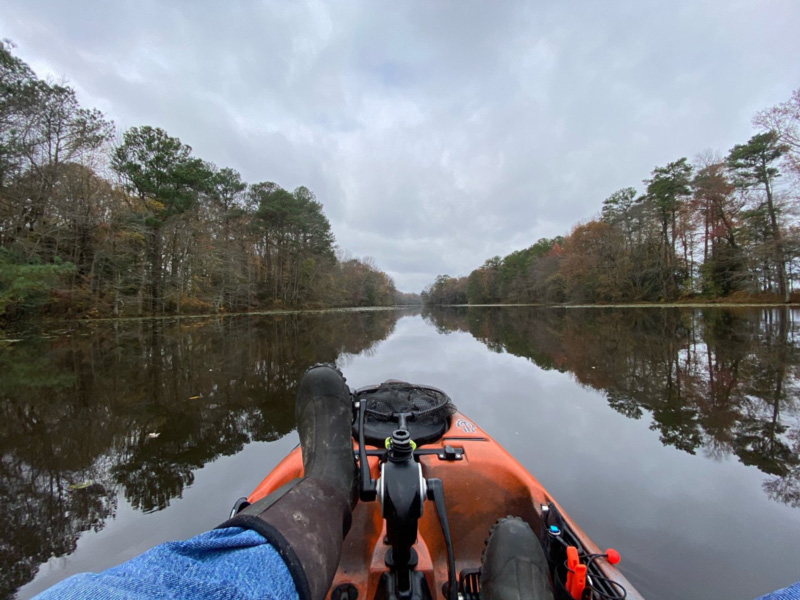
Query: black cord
596,576
612,583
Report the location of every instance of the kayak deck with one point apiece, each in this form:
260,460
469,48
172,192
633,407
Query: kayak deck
482,483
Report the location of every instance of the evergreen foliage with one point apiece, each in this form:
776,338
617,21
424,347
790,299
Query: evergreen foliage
170,233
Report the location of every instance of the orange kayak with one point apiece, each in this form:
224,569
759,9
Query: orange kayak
481,482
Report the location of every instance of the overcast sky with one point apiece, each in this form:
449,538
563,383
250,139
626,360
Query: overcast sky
436,134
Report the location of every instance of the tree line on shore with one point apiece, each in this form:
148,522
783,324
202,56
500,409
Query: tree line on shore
716,227
90,227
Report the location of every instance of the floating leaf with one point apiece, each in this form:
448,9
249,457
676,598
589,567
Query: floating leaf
82,485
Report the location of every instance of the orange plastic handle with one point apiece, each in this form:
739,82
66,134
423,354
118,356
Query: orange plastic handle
578,582
576,576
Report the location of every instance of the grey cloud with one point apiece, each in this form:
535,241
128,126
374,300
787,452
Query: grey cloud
436,134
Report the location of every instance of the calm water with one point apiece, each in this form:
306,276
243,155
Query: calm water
671,435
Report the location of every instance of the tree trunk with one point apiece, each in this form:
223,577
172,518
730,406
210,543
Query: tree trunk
155,270
780,261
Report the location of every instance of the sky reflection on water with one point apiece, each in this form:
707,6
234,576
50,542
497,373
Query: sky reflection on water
542,382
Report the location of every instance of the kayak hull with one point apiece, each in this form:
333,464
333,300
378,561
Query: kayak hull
481,485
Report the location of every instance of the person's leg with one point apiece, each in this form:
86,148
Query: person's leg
307,519
514,564
285,545
224,564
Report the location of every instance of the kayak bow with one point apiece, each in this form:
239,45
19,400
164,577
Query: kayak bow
401,542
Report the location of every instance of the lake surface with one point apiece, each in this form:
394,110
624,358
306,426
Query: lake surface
672,435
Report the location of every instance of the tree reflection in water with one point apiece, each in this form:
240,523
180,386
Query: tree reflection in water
724,381
137,408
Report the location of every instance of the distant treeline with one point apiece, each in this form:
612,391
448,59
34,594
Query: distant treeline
715,228
89,227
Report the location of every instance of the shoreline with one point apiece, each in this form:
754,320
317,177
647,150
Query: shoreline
54,322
